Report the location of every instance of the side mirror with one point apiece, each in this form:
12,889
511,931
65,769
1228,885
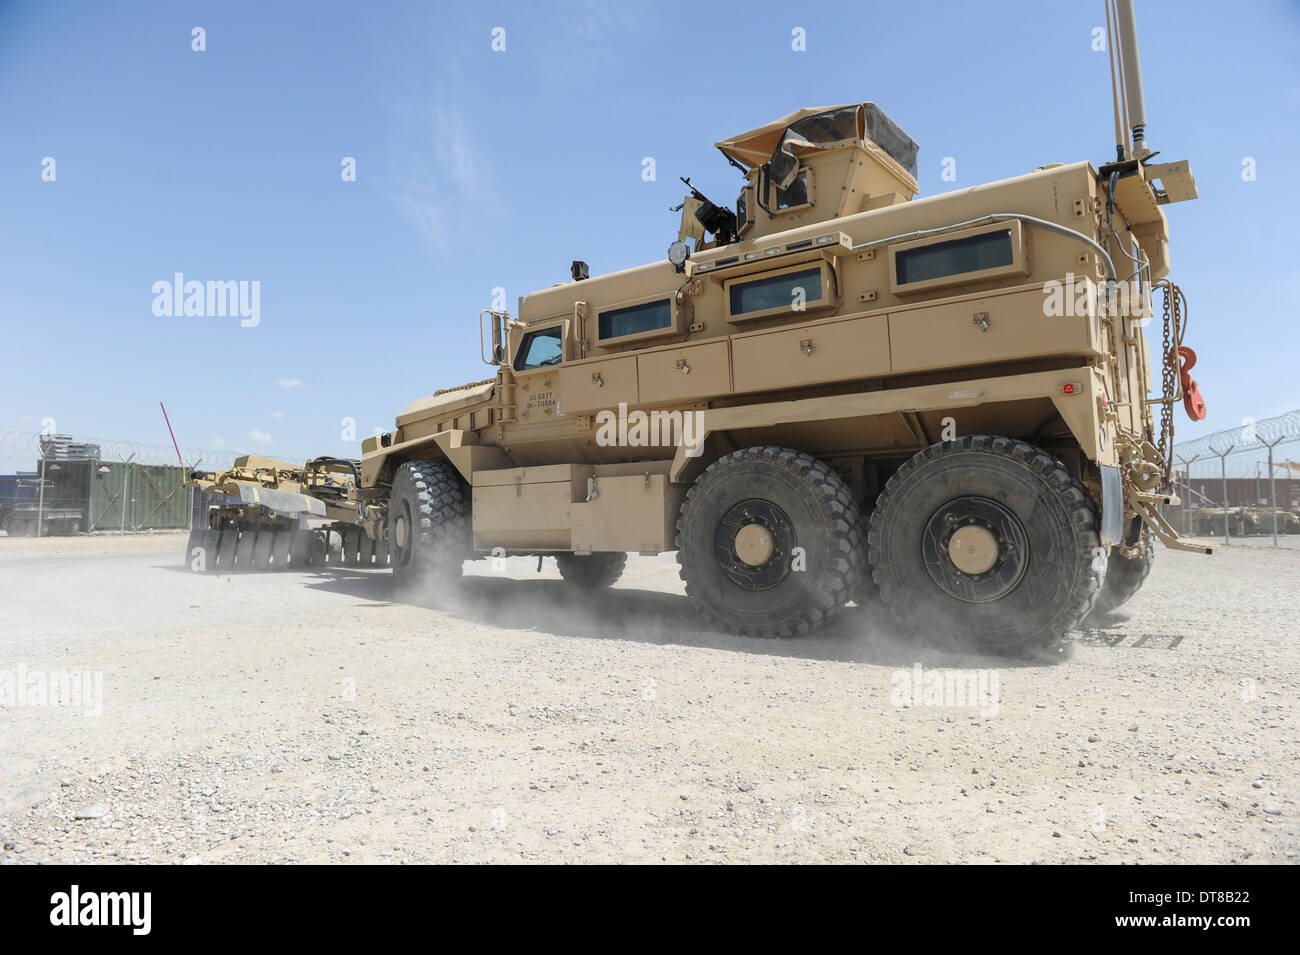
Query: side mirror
498,320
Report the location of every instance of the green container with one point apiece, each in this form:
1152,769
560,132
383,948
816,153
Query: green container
154,496
157,497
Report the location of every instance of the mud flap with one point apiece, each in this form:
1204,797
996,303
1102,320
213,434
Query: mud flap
1112,506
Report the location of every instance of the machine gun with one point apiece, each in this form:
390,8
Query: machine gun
717,220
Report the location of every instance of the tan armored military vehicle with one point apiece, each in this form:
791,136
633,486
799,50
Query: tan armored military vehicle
830,391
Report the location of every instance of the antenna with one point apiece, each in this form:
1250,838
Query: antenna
1131,75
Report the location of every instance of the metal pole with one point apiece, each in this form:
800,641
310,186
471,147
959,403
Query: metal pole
1272,488
126,481
40,504
1223,471
1182,497
186,477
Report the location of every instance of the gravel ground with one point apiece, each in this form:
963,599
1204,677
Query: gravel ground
311,717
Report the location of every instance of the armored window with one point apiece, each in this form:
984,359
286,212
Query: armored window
799,288
777,291
795,194
742,211
640,319
539,349
974,255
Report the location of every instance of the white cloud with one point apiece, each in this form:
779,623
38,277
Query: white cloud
277,415
449,181
260,437
289,382
218,442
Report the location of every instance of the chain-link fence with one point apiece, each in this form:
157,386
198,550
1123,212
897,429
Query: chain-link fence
92,484
1241,482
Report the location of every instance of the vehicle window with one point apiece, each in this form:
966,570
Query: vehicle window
635,319
540,348
795,194
776,291
972,254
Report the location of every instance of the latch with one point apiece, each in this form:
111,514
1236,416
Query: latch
982,320
596,380
806,346
684,368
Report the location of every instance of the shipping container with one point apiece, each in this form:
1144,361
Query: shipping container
120,496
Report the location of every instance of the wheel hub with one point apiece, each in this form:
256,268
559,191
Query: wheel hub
399,531
753,544
975,549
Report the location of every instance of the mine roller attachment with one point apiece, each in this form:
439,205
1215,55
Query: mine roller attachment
239,539
988,541
276,518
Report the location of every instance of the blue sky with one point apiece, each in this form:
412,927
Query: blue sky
479,169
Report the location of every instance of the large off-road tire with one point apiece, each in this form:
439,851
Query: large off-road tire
428,525
989,541
769,542
590,572
1125,576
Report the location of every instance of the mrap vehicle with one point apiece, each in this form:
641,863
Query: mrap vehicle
832,391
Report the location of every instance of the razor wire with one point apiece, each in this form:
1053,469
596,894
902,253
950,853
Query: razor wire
1249,436
19,444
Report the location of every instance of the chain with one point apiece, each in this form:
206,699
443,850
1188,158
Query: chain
1174,315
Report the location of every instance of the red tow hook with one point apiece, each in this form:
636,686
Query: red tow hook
1192,400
